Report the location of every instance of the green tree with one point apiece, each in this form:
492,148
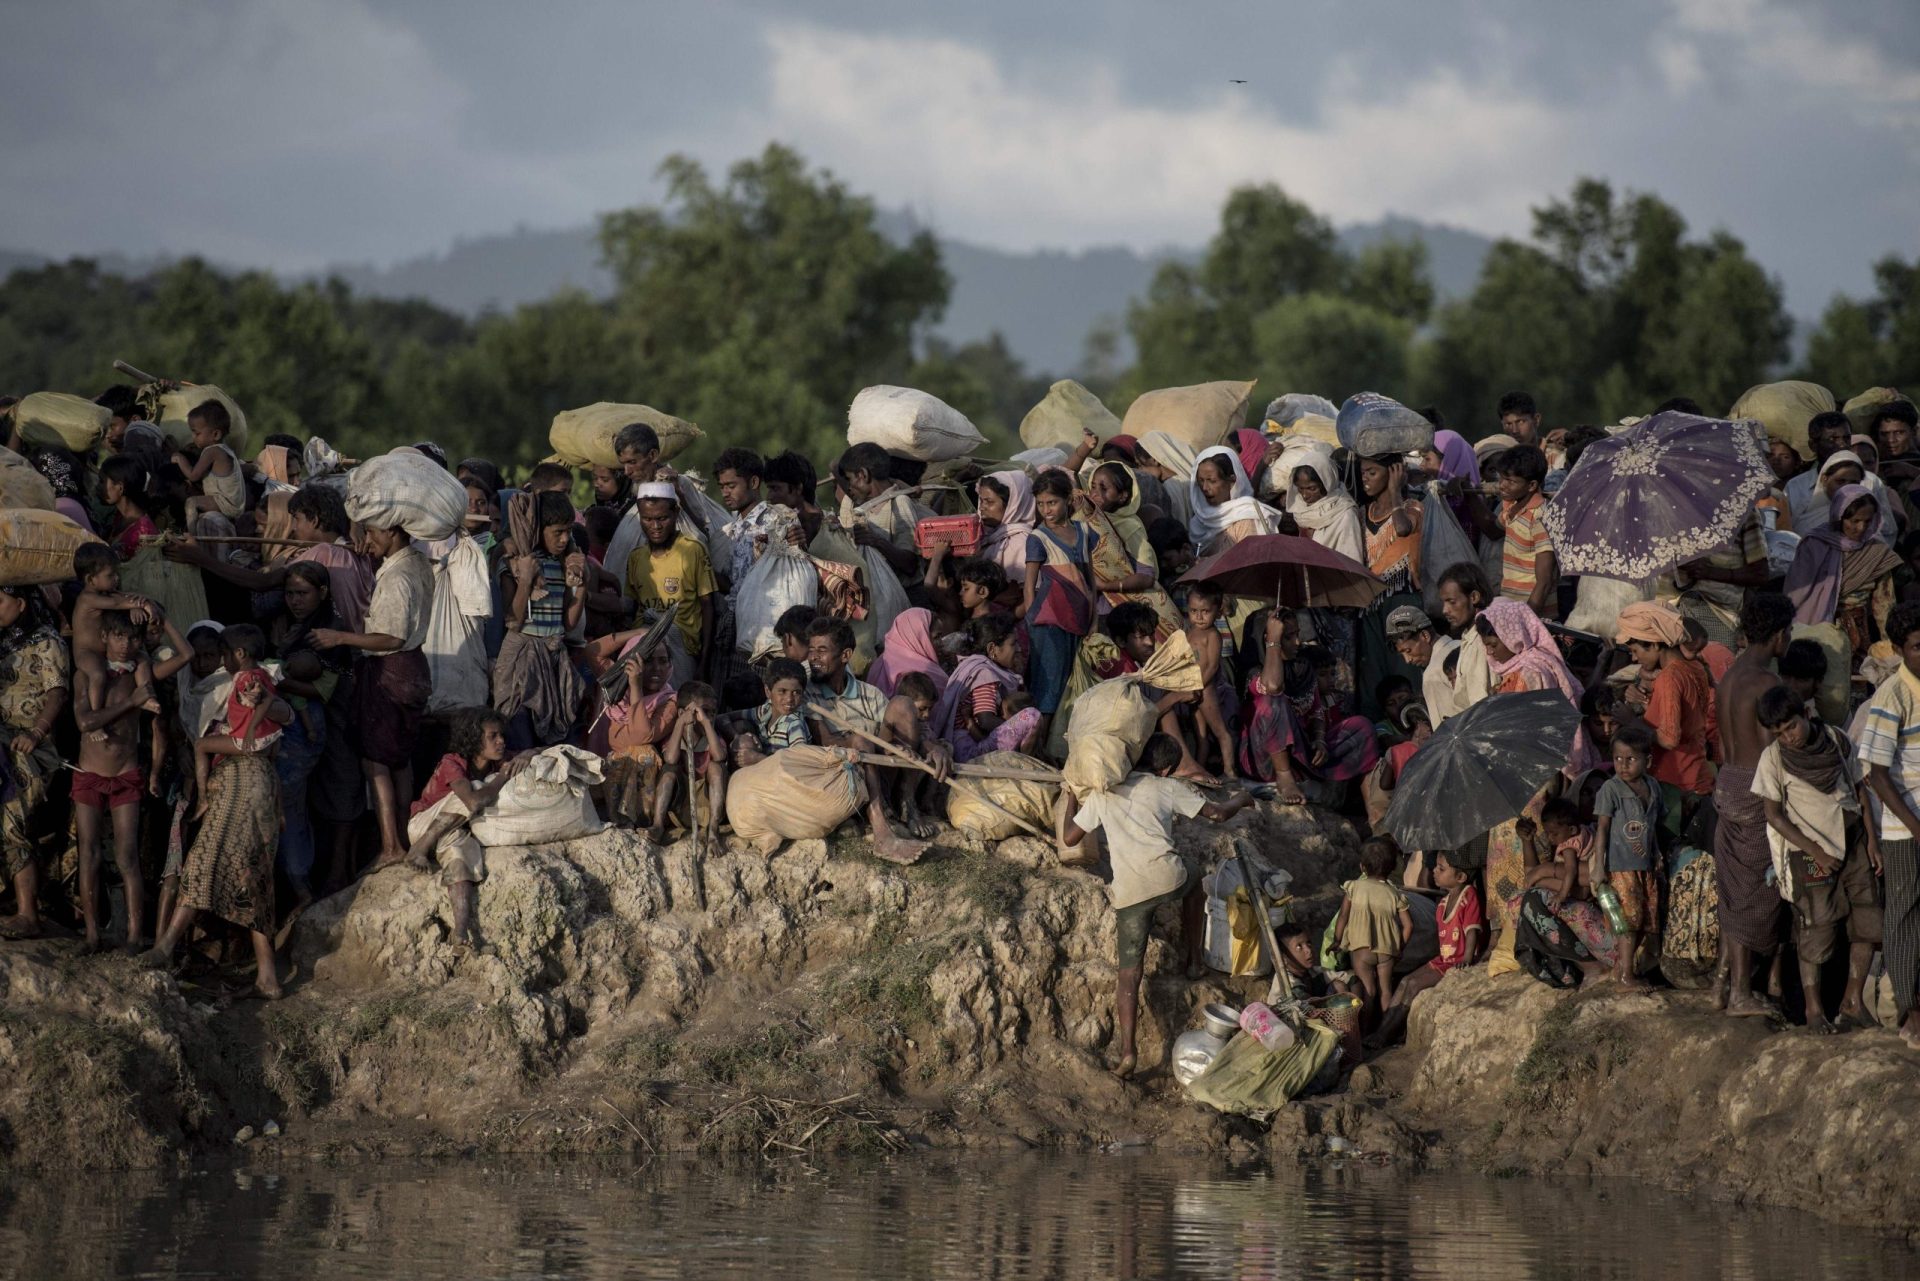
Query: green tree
1333,344
1872,342
1392,277
985,381
760,306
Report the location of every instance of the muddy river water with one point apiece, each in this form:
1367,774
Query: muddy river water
1132,1214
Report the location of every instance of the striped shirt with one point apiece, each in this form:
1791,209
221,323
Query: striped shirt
1526,539
778,731
855,702
1891,740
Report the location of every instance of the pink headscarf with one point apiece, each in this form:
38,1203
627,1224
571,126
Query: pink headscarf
1457,459
1007,541
908,647
1537,660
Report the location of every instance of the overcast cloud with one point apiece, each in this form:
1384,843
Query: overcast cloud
296,133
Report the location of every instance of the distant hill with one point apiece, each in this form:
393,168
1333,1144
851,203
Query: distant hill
1045,302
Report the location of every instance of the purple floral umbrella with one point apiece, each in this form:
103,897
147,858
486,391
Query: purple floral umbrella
1665,491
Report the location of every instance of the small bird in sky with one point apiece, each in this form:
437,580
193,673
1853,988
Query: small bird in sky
1236,82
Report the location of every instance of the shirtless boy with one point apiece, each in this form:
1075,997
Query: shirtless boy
107,706
98,570
1204,605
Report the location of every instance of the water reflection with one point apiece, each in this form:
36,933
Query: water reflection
1135,1215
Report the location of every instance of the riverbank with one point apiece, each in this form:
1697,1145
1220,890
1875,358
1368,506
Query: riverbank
823,1000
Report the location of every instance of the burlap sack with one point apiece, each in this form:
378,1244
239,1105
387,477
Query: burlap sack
1200,415
1113,720
1067,410
56,418
1783,409
21,485
584,437
168,411
408,489
37,547
1030,800
796,794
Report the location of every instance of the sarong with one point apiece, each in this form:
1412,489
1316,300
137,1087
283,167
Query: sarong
390,697
535,674
229,870
1693,919
1901,859
1749,909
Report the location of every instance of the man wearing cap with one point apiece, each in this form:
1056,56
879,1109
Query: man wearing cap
1420,644
669,570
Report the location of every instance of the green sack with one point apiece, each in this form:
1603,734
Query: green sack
1252,1080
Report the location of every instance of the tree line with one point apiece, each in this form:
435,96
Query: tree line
758,304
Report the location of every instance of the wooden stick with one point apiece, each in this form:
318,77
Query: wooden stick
916,763
972,770
699,833
148,539
133,373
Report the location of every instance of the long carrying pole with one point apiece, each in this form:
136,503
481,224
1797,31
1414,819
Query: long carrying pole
915,762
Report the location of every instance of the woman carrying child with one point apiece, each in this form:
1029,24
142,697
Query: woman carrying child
1123,563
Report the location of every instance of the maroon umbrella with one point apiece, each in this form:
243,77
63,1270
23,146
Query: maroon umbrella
1289,570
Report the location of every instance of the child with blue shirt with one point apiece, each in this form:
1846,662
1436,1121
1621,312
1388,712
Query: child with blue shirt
1626,823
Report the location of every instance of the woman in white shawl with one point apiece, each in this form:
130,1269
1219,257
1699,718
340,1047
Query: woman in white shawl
1223,508
1169,460
1317,502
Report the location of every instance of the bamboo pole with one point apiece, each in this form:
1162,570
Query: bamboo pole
915,762
148,540
972,770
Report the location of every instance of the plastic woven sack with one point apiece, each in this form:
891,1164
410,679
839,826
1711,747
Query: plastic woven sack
21,485
1285,411
1371,425
1063,414
1113,720
56,418
798,793
783,577
545,802
584,437
1200,415
1861,409
1784,409
912,424
410,490
1032,801
168,410
37,547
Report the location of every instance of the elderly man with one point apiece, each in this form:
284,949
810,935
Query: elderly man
1446,689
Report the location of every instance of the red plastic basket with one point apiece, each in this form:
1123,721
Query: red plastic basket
963,532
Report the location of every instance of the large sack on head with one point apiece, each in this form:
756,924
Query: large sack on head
1067,410
910,423
584,437
1862,409
1371,425
1113,720
168,409
1783,409
545,802
408,489
796,794
37,547
58,419
1199,416
1831,696
1032,801
21,485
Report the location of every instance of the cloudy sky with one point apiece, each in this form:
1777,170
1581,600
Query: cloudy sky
296,133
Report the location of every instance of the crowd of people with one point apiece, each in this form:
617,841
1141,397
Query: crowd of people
1740,787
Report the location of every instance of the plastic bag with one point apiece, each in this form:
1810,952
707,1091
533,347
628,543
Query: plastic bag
912,424
1067,410
1371,425
37,547
410,490
545,802
1199,416
584,437
782,578
1285,411
887,598
456,643
61,420
798,793
705,521
1443,544
21,485
1192,1052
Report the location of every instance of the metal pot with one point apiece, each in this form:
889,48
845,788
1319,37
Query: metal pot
1221,1020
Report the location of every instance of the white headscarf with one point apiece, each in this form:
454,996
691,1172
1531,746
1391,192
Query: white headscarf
1334,521
1208,522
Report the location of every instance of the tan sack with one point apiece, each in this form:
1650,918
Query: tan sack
1067,410
1200,415
796,794
1030,800
911,424
56,418
21,485
1113,720
37,547
168,411
584,437
1862,409
1783,409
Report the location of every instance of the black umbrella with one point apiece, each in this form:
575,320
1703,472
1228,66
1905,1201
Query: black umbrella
1481,768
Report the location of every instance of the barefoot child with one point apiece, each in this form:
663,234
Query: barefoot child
1133,627
1626,826
1217,702
465,781
693,731
1374,922
98,571
1136,819
909,723
1462,928
777,723
107,780
255,712
215,470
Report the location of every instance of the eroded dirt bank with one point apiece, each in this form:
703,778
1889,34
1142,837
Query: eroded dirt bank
823,1000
